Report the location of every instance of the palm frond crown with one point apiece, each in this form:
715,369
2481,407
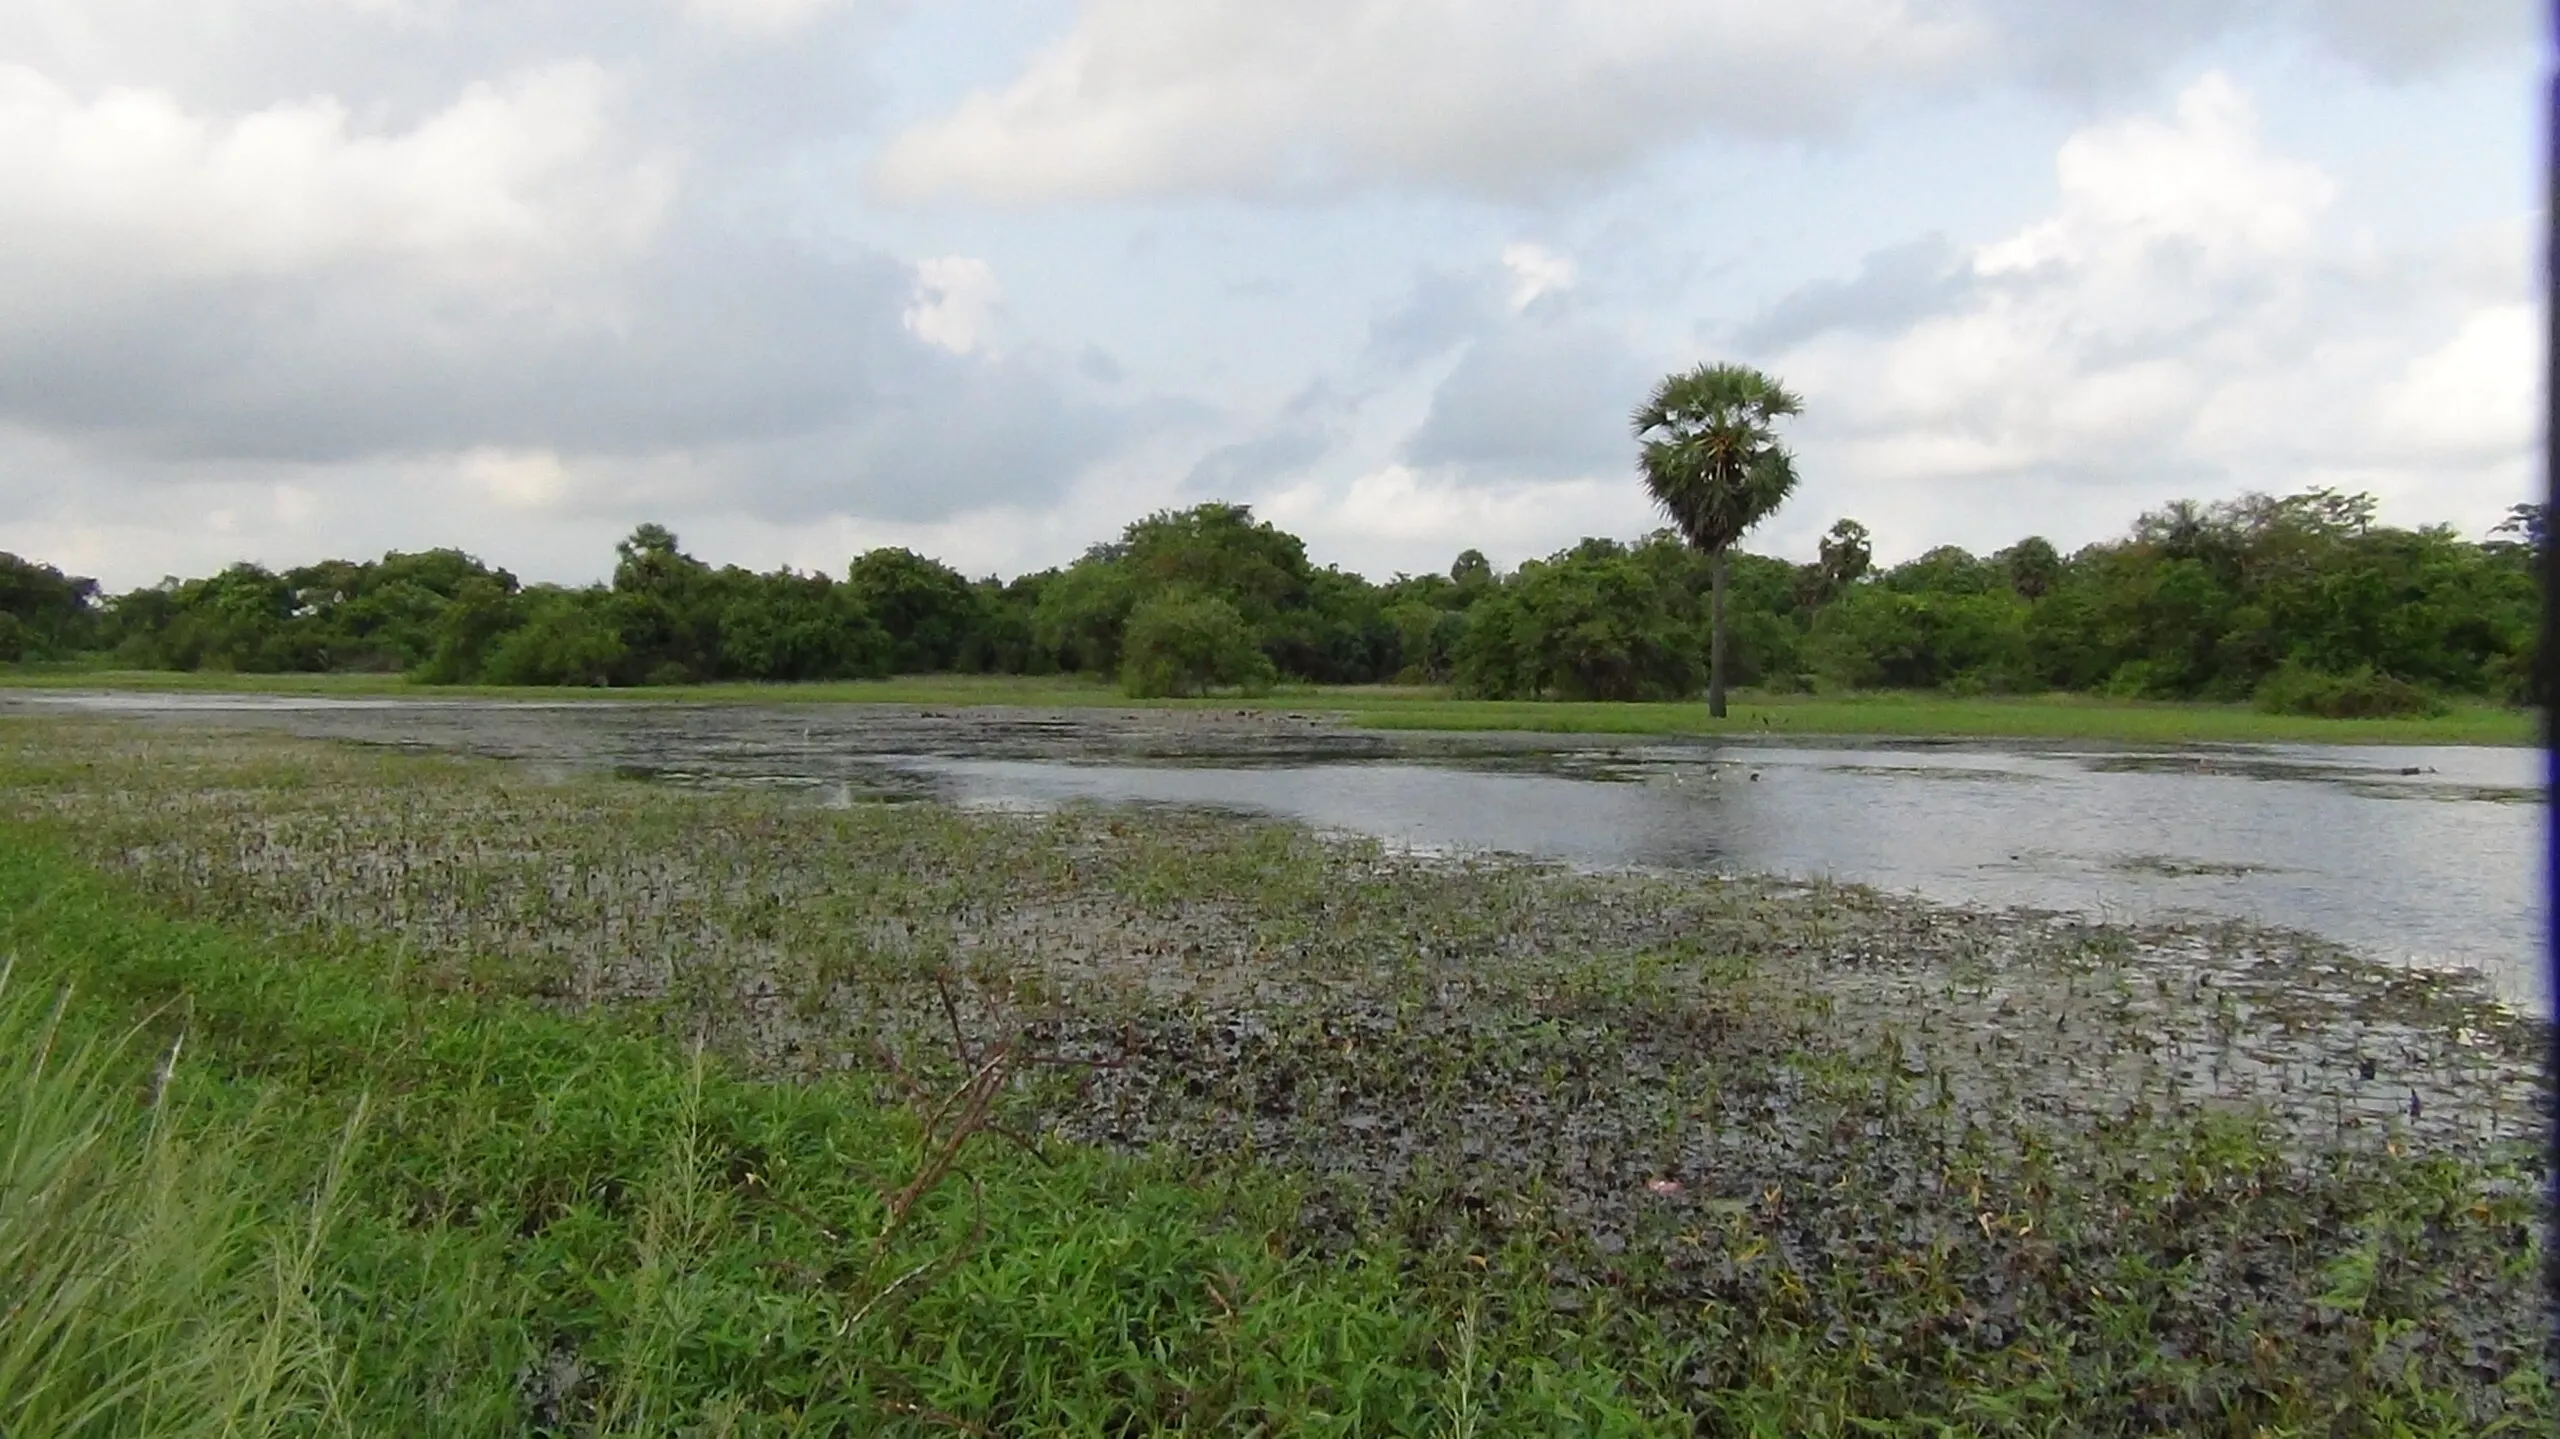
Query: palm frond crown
1711,458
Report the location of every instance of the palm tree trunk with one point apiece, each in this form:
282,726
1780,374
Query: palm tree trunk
1715,641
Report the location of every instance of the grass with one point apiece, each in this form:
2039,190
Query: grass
1894,713
603,1108
549,1226
158,1282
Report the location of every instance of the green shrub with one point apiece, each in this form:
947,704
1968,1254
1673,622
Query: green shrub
1183,642
2296,689
564,643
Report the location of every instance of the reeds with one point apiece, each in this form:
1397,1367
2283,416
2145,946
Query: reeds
157,1283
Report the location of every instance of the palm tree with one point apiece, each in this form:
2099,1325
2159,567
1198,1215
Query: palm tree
1711,461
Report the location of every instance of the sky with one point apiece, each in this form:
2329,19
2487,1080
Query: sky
285,279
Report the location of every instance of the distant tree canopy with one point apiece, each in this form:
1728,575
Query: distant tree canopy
44,613
2302,602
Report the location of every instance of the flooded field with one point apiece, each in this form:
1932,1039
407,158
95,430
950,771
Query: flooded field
2422,857
1788,1148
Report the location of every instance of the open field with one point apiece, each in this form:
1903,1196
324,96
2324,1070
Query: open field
1102,1123
1388,707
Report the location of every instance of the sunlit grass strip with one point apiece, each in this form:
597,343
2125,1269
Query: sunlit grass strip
1896,714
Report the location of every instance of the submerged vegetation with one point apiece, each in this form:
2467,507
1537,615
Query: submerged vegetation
2303,605
583,1106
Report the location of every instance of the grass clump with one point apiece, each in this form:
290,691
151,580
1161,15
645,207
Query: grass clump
158,1280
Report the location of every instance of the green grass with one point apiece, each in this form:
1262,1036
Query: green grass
1898,714
353,1209
444,1131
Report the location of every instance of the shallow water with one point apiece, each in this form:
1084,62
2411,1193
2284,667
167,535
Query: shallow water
2421,856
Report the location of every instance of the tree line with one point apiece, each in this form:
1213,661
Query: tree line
2302,602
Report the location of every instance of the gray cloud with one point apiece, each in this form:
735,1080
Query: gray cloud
704,347
1324,97
694,347
1535,399
2397,39
1303,432
1443,309
603,262
933,447
1893,287
405,58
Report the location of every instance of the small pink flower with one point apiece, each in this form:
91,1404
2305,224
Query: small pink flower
1663,1186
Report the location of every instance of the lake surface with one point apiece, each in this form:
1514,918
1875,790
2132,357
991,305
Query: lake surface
2422,856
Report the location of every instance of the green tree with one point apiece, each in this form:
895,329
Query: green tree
1847,555
1712,461
44,613
568,637
929,609
1598,621
1183,642
1220,549
1081,613
664,610
1472,574
481,612
2033,567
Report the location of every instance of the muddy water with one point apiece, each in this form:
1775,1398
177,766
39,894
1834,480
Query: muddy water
2415,856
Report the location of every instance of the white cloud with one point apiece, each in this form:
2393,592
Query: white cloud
1513,98
762,18
1399,518
954,303
2189,320
2471,398
345,274
128,186
1535,270
1490,96
533,480
2203,180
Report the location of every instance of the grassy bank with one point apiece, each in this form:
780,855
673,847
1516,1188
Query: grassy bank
352,1204
1909,715
1097,1124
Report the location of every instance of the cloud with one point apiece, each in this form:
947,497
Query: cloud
1542,398
954,303
1535,271
2398,40
2472,398
507,288
1893,287
2201,184
2189,319
1305,430
1517,99
126,188
286,277
1485,96
762,18
1444,308
1391,518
